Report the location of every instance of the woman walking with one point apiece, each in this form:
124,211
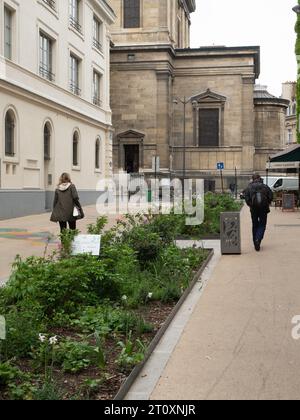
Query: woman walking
66,207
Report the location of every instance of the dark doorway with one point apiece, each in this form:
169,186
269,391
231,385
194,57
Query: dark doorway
132,158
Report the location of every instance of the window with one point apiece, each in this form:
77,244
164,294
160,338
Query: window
75,148
97,154
96,88
10,134
8,20
290,136
46,67
74,75
132,13
209,127
75,15
97,34
47,141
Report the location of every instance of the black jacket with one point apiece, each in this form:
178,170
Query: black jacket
252,188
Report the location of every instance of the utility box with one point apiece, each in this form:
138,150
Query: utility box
231,233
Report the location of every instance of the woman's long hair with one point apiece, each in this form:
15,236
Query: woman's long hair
64,179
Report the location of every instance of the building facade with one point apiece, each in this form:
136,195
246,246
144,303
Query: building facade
289,91
191,107
55,111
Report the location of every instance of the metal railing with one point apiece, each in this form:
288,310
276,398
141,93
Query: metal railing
51,3
46,73
75,24
97,44
97,101
74,88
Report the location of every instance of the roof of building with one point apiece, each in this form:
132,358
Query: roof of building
263,97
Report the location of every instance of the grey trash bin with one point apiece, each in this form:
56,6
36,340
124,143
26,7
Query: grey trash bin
230,224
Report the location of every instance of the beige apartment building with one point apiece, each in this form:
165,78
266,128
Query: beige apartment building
55,111
192,107
289,92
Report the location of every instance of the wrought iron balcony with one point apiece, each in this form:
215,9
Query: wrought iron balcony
46,73
97,101
75,24
50,3
74,88
97,44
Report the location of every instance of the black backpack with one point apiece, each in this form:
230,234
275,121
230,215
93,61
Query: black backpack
259,199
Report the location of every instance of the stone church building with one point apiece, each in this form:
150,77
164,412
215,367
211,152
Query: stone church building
191,107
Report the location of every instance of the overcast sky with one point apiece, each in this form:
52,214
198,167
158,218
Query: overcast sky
267,23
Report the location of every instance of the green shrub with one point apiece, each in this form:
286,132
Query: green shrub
106,319
146,244
23,328
76,356
63,285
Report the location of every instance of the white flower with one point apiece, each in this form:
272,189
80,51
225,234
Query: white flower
53,341
124,298
42,338
150,295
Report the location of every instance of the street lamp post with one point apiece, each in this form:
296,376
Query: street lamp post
184,101
296,9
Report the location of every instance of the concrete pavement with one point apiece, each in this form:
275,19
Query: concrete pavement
27,236
237,343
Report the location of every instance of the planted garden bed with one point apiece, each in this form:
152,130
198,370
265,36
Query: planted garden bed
77,326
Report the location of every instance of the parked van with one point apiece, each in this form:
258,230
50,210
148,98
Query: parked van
271,180
285,184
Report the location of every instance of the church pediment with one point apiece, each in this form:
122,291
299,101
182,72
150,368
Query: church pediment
131,134
209,96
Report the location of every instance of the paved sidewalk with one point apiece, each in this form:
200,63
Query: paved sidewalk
238,341
27,236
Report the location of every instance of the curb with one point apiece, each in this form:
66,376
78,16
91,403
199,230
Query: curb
123,391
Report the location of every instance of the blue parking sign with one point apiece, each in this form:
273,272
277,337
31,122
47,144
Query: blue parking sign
220,166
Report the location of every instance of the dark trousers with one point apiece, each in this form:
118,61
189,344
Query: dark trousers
63,225
259,222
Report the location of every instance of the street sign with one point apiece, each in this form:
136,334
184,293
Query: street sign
221,166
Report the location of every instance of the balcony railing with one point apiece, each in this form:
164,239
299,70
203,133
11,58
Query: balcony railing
75,24
50,3
97,101
74,88
97,44
46,73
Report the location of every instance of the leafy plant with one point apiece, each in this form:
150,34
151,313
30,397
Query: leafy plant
132,352
67,237
97,228
76,356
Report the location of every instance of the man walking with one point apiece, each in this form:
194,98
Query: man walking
258,197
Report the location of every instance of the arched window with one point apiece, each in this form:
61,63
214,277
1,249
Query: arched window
97,154
47,141
75,148
10,133
132,13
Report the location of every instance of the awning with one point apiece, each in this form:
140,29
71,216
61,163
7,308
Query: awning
288,159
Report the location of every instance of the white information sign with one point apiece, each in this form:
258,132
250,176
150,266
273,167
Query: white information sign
2,328
87,244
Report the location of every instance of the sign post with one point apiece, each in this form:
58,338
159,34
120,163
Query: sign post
221,167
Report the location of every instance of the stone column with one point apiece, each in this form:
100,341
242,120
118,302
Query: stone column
248,123
164,101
